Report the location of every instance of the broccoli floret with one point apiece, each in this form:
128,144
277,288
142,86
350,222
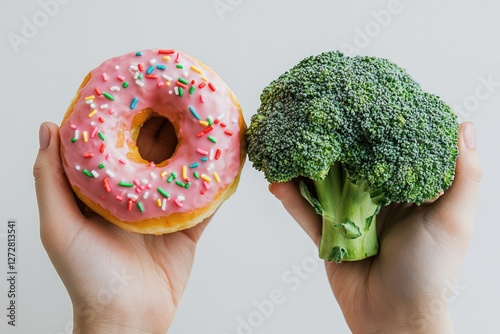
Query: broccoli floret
362,133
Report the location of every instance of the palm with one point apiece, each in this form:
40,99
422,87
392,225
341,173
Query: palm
107,269
154,269
410,269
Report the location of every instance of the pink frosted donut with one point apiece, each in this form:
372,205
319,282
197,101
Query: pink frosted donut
99,141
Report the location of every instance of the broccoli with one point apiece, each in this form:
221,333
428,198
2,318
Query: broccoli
359,133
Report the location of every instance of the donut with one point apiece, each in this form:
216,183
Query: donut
101,127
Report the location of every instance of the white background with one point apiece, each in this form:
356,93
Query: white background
252,243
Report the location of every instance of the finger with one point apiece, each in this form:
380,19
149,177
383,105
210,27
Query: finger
167,135
455,209
157,140
167,138
152,126
56,202
194,233
298,207
434,199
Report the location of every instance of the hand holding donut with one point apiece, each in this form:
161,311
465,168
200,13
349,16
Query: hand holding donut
153,142
119,282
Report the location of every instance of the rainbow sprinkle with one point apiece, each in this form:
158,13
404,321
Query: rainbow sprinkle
133,104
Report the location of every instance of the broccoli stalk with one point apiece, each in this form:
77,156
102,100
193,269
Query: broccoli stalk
349,215
363,133
351,234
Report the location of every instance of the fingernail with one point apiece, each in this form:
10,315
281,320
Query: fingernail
470,135
44,136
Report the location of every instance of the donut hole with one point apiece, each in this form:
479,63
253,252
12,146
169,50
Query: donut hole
157,139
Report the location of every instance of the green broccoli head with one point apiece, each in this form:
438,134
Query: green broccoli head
395,141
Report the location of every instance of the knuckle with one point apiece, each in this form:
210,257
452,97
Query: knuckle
476,173
37,170
455,223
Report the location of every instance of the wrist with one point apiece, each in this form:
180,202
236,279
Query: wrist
112,321
83,327
418,324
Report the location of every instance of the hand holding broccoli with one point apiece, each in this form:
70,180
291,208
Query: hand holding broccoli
421,251
358,153
362,134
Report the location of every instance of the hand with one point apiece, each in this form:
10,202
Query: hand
404,288
118,281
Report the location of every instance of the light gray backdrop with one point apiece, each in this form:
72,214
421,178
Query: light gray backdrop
250,249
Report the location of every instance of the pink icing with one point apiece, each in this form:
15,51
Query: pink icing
97,165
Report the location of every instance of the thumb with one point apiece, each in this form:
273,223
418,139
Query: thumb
298,207
456,207
56,203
